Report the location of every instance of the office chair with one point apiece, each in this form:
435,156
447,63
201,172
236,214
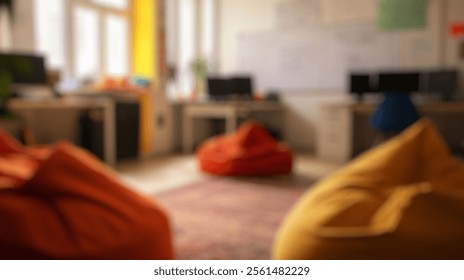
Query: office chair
394,114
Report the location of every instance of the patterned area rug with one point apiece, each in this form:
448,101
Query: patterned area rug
226,218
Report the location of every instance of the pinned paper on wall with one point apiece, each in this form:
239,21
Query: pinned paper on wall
336,11
401,14
457,29
461,51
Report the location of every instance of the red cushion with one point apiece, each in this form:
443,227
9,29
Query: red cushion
75,208
249,151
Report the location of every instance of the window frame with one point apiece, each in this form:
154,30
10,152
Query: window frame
102,11
173,24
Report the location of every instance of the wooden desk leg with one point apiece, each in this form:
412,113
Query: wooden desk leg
187,133
231,122
109,132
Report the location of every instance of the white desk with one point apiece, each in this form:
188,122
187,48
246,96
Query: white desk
344,130
230,111
29,110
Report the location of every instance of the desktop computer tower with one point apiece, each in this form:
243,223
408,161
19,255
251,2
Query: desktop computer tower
127,131
91,132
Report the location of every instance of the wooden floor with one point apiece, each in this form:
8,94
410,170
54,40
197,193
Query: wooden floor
166,172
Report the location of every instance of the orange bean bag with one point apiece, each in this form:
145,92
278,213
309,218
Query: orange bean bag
249,151
74,207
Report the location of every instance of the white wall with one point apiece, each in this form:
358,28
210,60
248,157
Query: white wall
455,11
240,16
237,16
23,26
18,34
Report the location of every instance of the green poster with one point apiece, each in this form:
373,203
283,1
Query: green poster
401,14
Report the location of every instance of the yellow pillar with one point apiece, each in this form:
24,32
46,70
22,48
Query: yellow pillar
144,43
145,64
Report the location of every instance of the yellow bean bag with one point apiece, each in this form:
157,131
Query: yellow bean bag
401,200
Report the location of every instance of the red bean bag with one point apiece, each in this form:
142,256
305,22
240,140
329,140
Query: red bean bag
249,151
74,207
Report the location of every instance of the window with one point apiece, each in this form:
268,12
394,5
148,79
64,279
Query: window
86,43
118,4
187,43
85,39
207,29
50,32
190,35
116,48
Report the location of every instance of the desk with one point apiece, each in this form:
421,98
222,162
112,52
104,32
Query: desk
230,111
29,110
344,130
12,126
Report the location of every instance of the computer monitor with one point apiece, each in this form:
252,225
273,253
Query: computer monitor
396,111
359,83
399,81
242,86
444,82
24,68
28,75
219,88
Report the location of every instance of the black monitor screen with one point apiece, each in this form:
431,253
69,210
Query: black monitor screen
219,87
444,81
242,85
360,83
23,69
406,81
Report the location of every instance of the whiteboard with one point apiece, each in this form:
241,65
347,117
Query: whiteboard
315,59
313,46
